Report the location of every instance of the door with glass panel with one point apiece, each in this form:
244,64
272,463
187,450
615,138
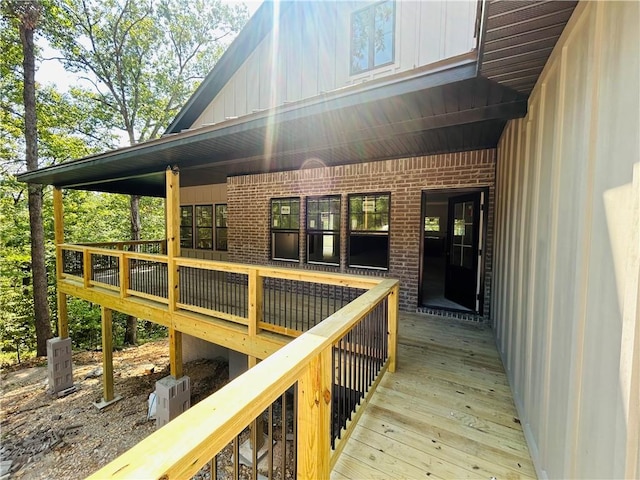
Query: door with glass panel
461,284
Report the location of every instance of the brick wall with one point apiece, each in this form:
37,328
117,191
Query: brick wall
249,203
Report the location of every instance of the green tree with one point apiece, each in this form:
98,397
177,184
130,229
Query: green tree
27,16
144,60
69,126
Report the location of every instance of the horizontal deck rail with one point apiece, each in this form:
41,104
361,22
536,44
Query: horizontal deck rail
347,352
278,300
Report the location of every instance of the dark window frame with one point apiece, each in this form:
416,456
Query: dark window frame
221,228
277,227
198,228
371,51
361,234
316,230
183,227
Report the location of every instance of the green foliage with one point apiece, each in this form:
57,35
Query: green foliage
143,58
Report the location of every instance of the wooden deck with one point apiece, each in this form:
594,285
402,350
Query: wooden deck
446,413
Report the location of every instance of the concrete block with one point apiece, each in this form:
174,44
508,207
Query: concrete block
173,397
59,364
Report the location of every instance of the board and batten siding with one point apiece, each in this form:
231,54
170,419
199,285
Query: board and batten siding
567,250
312,53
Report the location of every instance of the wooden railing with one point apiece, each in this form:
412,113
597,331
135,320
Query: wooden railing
347,352
280,300
345,335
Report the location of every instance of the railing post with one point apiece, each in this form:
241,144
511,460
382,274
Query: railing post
86,267
393,306
255,301
123,261
314,418
61,298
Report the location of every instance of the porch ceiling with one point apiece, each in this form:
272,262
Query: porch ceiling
445,111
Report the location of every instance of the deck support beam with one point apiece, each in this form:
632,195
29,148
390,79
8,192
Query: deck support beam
58,222
314,418
108,396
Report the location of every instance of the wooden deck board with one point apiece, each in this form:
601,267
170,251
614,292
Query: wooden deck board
447,412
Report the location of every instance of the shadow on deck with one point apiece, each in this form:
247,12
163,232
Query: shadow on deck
447,412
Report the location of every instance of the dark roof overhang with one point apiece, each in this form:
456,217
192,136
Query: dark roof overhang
518,37
444,109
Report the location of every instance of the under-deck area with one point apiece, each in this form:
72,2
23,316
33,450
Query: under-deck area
447,411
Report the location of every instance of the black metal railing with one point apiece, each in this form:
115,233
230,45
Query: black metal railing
275,456
298,305
357,360
220,291
148,277
73,262
105,268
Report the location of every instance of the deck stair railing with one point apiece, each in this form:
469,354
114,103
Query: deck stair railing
333,369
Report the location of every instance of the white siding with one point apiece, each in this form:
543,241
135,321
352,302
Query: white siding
312,54
566,282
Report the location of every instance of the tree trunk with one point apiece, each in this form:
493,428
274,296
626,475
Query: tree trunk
28,22
131,330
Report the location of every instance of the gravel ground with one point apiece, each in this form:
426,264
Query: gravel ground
68,438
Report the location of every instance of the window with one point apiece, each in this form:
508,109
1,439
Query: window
372,36
369,230
221,226
204,227
186,226
285,229
323,230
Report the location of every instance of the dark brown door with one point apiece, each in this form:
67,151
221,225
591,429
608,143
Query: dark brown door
461,282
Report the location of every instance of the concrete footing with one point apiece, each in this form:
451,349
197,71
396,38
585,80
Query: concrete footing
59,364
104,403
173,397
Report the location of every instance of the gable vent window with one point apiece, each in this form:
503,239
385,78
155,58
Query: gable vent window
285,229
323,230
369,230
372,36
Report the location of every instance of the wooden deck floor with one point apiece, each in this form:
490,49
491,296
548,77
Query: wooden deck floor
446,413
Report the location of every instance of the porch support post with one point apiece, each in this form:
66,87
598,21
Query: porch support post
107,354
108,397
58,222
172,181
314,418
393,305
175,353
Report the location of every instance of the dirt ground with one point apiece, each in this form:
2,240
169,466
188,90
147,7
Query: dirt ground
46,437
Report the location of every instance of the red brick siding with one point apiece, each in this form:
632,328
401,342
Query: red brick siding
249,197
